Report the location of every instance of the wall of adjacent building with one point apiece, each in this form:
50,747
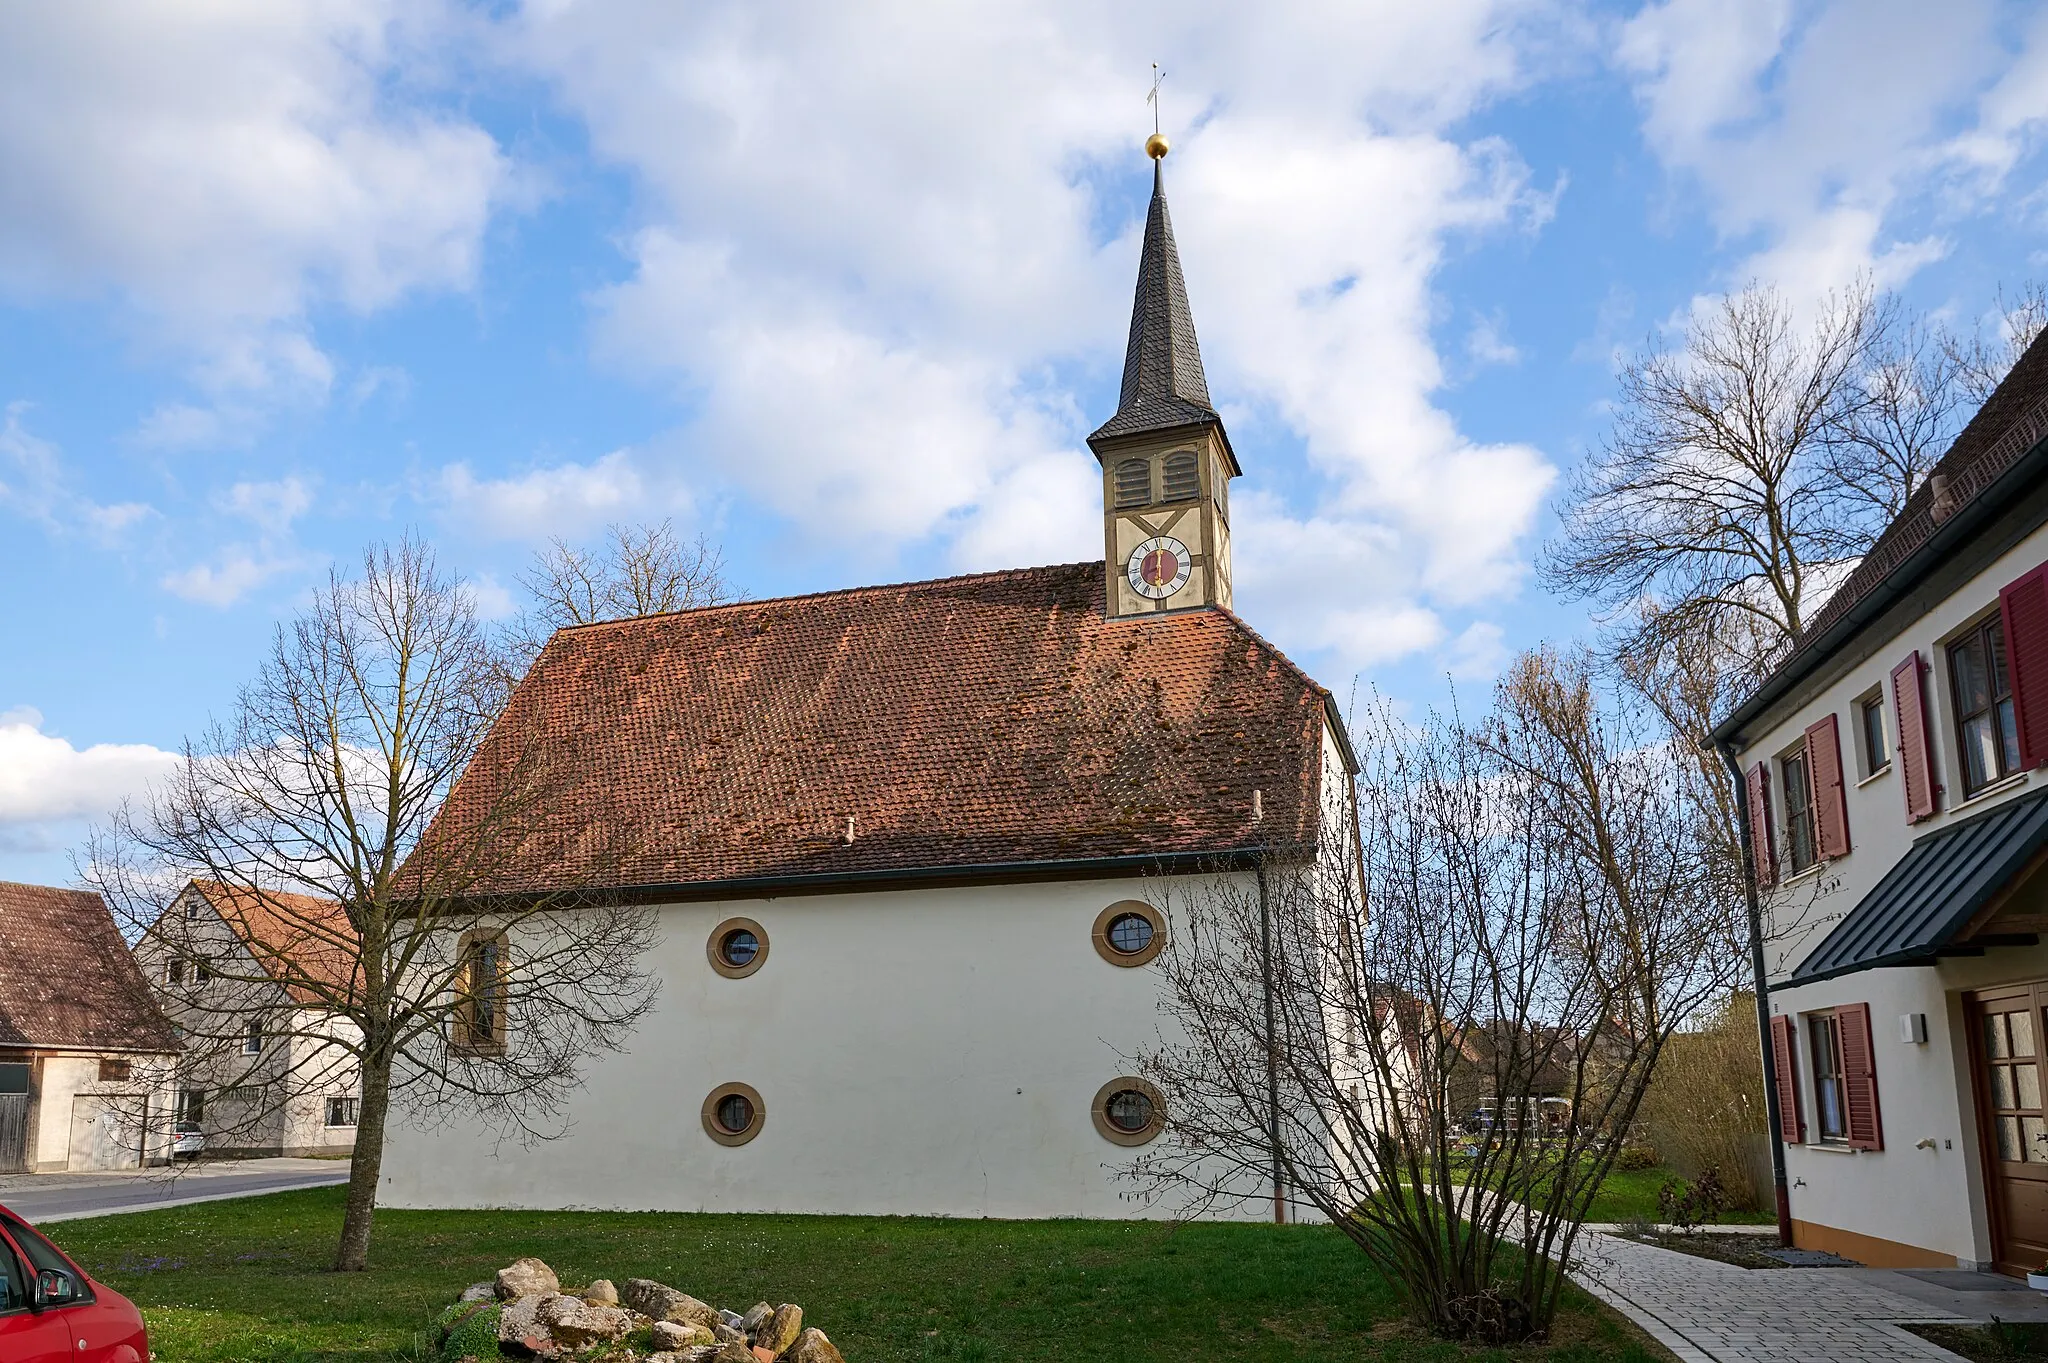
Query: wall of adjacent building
1930,1198
917,1052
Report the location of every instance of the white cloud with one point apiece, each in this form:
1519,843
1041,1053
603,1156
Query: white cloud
874,252
1808,127
562,499
45,780
221,169
271,506
1478,653
231,576
35,484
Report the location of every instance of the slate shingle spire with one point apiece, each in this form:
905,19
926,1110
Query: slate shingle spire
1164,386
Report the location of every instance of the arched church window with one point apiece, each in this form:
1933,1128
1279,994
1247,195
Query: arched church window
1134,482
1183,481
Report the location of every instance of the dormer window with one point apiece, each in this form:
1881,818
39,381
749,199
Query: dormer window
1183,480
1133,482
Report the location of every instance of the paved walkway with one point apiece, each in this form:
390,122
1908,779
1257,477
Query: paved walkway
1710,1312
67,1197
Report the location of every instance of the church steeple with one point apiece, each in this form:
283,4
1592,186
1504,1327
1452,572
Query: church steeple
1166,460
1164,386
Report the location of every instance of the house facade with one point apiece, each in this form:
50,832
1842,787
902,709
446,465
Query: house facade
915,851
1898,826
82,1042
266,1069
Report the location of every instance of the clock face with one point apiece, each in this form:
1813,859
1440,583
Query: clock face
1160,567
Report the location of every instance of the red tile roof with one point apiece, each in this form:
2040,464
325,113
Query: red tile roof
313,934
974,722
68,979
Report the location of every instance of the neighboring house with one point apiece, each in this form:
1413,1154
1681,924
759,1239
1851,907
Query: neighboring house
81,1040
1899,834
263,1072
911,848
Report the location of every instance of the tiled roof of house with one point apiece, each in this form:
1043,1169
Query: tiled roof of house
2012,421
311,933
971,722
68,979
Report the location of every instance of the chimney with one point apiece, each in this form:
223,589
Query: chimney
1944,500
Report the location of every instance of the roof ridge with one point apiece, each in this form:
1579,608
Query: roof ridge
834,591
54,889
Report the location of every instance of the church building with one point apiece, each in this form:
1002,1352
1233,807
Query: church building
911,849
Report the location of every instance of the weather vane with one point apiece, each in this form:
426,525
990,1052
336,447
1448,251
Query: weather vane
1155,145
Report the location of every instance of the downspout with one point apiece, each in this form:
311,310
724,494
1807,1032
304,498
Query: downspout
1272,1050
1763,995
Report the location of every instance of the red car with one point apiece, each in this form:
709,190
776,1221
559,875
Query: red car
50,1309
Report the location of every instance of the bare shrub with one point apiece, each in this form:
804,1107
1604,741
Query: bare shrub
1509,920
1705,1106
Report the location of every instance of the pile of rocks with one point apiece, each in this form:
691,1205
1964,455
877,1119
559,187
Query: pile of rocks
638,1320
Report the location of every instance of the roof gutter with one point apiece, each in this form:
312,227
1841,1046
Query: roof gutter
829,882
1967,521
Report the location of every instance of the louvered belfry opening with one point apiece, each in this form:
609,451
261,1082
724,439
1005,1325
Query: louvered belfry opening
1133,483
1183,478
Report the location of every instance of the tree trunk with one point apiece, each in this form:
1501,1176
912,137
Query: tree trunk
365,1167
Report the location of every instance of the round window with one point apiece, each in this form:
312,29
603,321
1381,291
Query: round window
1129,932
736,1114
737,948
1129,1111
733,1114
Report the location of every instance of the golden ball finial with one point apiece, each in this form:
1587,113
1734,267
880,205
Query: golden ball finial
1155,146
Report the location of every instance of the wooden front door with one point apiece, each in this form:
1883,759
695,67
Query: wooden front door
2006,1043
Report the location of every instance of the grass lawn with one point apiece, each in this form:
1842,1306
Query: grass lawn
245,1282
1631,1194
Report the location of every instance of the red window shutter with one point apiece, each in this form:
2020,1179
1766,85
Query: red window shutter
2023,610
1761,848
1916,758
1785,1076
1859,1077
1830,800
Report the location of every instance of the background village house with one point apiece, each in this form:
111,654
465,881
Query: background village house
265,1070
911,848
1898,827
82,1042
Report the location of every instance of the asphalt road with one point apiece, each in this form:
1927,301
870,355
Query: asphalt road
67,1197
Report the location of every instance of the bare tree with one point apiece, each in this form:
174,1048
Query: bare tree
1981,361
643,570
1436,1028
1713,496
350,921
1750,466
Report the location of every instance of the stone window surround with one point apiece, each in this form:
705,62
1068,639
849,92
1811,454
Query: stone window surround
1117,910
716,1131
717,939
1098,1110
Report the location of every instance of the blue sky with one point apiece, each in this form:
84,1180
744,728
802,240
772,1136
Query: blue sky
843,286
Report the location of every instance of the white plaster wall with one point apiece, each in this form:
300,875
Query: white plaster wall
917,1052
1931,1198
63,1078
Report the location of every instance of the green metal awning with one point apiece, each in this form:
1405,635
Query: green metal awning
1927,901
